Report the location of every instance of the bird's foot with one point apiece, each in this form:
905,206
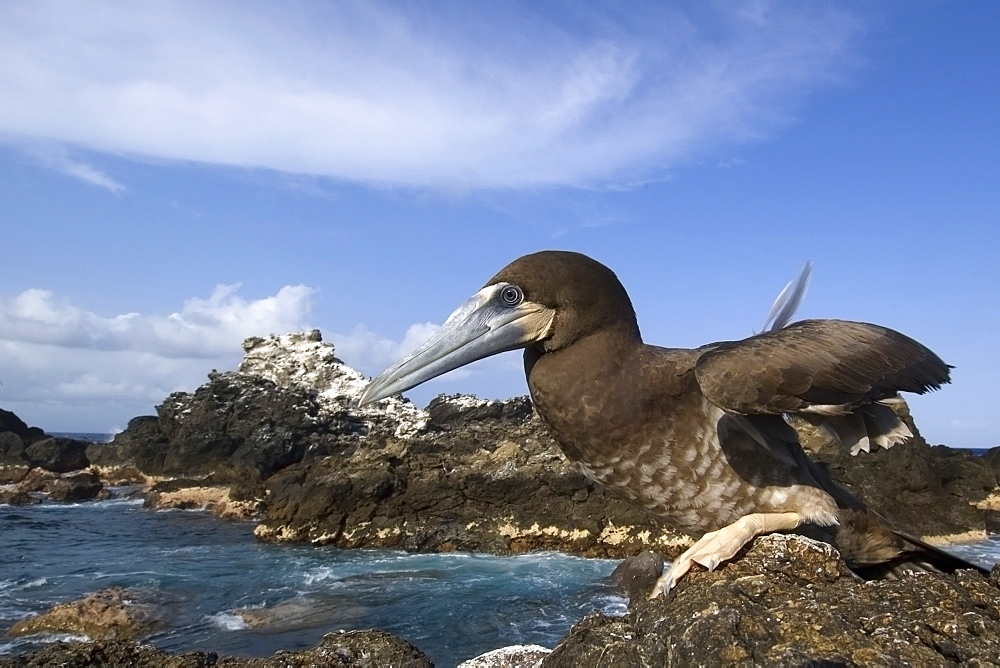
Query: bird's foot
722,545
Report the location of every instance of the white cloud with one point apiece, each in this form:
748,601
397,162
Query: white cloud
202,328
454,96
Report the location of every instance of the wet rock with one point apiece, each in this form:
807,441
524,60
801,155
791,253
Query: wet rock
107,653
115,613
515,656
202,494
59,455
17,496
636,575
360,649
363,649
791,601
302,612
77,487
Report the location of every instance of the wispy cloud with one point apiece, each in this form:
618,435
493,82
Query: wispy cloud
57,157
455,96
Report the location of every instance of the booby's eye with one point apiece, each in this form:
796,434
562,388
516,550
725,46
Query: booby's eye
511,295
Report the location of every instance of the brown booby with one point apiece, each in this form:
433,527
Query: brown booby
698,438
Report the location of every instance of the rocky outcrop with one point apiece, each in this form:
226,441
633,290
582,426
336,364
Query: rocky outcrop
116,613
790,601
360,649
498,485
31,461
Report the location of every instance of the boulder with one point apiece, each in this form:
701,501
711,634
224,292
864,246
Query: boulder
115,613
184,494
790,601
59,455
76,487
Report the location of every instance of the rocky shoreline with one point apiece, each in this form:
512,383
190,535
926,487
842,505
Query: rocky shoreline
281,441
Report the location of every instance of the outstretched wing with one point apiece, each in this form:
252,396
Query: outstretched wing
818,367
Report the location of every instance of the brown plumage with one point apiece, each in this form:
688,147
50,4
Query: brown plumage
697,438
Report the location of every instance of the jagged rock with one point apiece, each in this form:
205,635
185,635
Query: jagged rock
791,601
59,455
77,487
9,422
140,445
460,408
361,649
115,613
515,656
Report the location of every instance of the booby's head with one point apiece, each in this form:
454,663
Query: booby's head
546,300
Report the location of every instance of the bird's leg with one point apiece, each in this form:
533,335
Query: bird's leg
717,546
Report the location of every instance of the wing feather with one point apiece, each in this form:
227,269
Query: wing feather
825,367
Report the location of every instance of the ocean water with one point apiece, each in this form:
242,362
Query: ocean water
451,606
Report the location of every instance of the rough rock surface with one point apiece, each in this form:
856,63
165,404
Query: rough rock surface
362,649
82,486
790,601
115,613
496,485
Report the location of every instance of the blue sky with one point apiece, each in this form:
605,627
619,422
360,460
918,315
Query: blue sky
176,176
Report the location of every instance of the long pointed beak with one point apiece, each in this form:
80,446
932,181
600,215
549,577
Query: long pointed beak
480,327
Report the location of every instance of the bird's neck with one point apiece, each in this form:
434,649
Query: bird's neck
571,388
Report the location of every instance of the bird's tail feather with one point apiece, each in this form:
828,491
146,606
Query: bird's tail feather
917,556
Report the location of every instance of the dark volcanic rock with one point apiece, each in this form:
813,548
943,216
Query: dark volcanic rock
10,422
636,575
789,601
77,487
59,455
12,450
362,649
17,496
457,409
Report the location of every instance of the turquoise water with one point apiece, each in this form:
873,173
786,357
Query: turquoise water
452,606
